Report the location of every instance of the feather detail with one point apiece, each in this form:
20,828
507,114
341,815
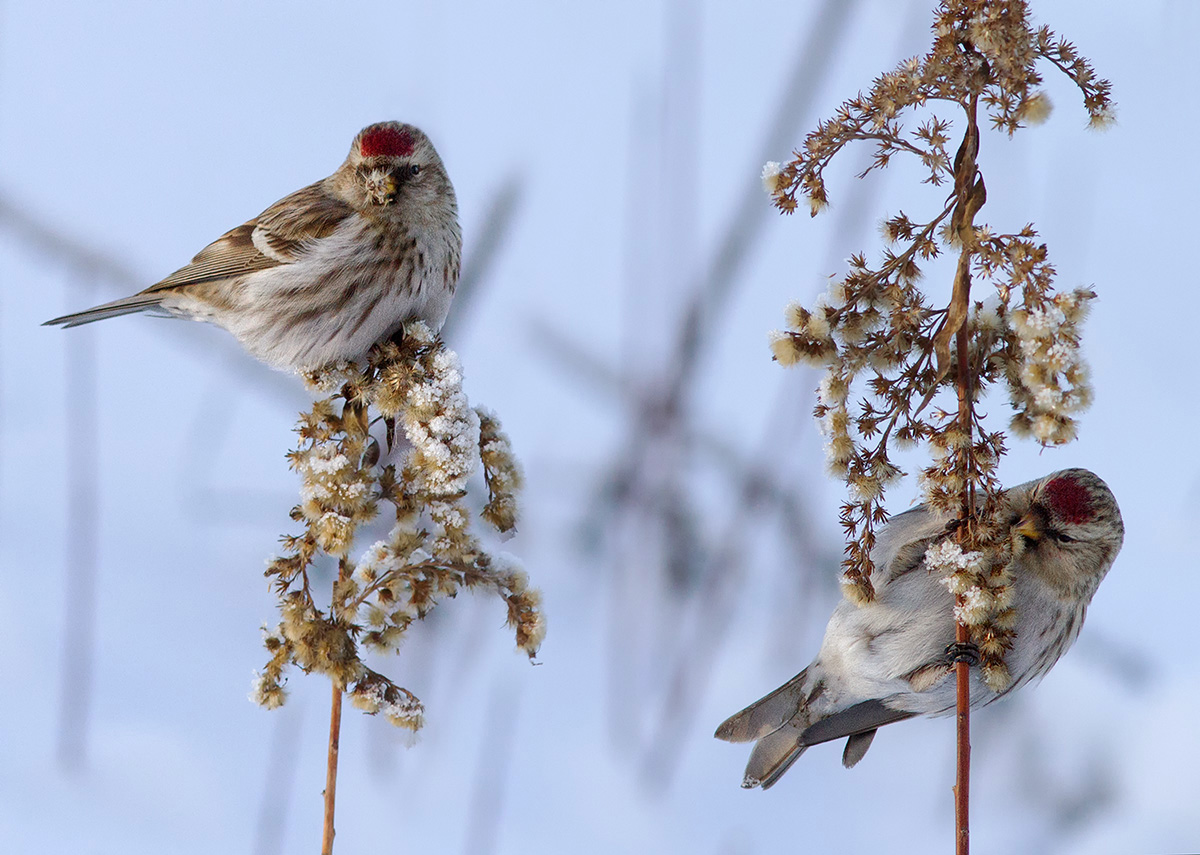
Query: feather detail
307,215
780,747
232,254
279,235
856,747
766,714
125,306
773,755
855,720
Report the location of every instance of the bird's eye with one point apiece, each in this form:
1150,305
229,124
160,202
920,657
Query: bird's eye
415,169
1063,538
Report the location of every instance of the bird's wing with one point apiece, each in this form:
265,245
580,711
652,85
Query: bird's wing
291,224
901,546
279,235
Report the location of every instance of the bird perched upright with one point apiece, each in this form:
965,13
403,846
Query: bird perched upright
892,658
330,270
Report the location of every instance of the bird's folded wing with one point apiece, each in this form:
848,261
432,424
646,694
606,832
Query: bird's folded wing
276,236
294,222
232,254
901,546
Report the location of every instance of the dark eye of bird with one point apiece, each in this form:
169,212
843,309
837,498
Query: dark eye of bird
1063,538
415,169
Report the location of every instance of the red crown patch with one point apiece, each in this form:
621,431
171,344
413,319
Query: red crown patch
386,141
1069,500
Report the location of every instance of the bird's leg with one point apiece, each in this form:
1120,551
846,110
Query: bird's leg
963,651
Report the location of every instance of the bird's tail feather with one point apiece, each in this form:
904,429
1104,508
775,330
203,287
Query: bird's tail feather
797,715
125,306
856,747
773,755
767,714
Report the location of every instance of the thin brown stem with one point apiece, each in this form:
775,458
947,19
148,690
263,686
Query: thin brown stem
335,728
462,571
335,733
962,669
962,782
970,195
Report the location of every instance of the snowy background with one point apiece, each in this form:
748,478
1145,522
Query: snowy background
626,269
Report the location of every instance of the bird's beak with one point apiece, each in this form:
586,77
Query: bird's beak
385,191
1029,526
381,187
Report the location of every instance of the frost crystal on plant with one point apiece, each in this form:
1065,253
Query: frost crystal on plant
771,177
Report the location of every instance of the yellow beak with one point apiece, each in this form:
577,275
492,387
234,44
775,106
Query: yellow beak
1029,526
381,187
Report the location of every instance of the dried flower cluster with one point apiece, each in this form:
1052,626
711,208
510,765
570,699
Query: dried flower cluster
983,50
415,384
891,359
1052,385
982,585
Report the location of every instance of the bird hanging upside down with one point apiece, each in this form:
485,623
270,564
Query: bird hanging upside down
892,658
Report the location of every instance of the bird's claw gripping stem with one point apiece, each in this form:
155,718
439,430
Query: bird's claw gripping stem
963,651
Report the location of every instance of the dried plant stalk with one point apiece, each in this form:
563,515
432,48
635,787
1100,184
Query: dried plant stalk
876,335
413,385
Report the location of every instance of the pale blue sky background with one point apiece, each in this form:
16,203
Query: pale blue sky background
633,131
